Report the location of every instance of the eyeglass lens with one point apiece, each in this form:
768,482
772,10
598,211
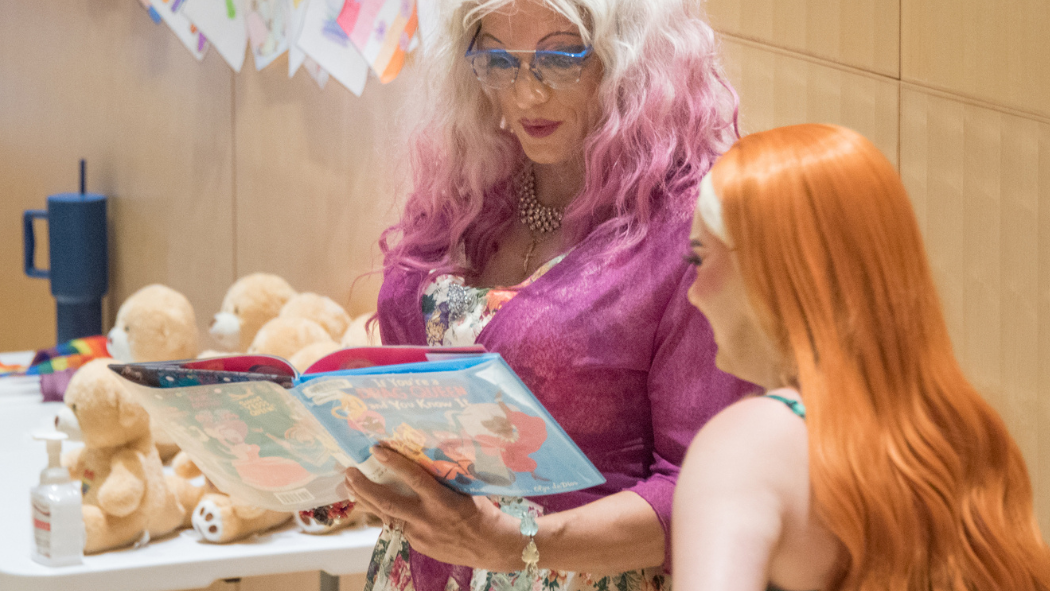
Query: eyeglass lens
499,68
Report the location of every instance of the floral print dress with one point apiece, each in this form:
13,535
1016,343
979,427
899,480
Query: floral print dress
455,315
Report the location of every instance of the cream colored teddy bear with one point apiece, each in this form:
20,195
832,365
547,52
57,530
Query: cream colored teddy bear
127,497
156,323
321,309
362,334
294,334
218,517
284,337
310,354
251,302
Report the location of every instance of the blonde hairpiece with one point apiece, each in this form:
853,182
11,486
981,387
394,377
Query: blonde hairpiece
710,207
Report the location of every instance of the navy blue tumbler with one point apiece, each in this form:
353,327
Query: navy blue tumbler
79,256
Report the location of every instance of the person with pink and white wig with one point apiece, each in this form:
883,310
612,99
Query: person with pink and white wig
555,167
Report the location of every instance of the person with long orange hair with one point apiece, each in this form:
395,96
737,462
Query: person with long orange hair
871,463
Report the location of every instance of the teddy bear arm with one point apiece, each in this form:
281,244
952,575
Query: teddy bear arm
244,510
70,458
122,492
184,466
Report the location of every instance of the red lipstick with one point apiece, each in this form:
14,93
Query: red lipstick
539,128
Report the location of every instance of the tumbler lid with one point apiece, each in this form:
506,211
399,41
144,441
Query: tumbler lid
70,197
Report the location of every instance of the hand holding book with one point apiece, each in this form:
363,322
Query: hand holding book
441,523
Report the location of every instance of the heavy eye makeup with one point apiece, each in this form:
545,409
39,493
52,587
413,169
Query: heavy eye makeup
691,256
562,41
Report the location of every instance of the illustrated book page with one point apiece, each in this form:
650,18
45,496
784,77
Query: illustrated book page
282,441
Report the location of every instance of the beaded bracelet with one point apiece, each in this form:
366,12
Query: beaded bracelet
528,528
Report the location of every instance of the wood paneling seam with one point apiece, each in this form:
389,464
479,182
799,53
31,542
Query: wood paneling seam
765,44
942,92
233,175
809,58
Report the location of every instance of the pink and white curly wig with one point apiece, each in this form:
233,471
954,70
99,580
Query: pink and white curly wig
667,112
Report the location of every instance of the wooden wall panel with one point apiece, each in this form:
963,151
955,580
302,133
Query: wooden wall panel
99,80
994,51
981,179
864,34
1043,347
777,88
317,180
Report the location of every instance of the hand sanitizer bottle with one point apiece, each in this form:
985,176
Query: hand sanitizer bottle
58,523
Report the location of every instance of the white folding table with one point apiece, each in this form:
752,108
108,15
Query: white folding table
176,562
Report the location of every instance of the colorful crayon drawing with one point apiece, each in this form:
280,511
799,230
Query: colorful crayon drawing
267,22
382,30
323,40
223,23
186,31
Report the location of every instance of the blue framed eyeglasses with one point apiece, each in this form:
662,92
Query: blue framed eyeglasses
498,68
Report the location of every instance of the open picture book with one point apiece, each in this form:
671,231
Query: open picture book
276,439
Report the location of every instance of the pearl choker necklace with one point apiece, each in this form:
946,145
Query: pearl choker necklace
538,217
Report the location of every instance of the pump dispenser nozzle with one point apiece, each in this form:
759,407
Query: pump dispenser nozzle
54,473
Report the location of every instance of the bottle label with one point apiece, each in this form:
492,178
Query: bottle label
42,528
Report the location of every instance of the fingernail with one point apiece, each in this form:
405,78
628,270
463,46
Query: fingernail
380,453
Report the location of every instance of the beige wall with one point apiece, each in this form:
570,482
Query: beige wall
209,175
957,94
213,175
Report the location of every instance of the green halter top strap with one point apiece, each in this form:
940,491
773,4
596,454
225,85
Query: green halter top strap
799,409
796,406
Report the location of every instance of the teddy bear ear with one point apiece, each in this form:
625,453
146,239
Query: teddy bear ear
131,413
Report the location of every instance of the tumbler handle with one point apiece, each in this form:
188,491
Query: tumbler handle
29,243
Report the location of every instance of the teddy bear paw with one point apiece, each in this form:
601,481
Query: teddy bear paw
207,521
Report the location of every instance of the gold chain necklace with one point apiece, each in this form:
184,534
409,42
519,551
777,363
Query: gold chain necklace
539,218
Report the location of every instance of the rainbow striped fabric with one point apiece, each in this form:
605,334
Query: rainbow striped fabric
65,356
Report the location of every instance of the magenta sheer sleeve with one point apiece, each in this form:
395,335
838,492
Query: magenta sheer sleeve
685,391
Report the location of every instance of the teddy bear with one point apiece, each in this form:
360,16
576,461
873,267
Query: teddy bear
285,336
127,498
309,354
321,309
250,302
219,518
292,334
360,333
156,323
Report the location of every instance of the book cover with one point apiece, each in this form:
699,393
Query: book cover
283,441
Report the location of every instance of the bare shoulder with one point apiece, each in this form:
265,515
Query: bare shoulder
758,438
736,494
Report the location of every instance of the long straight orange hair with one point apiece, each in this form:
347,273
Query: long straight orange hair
911,469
